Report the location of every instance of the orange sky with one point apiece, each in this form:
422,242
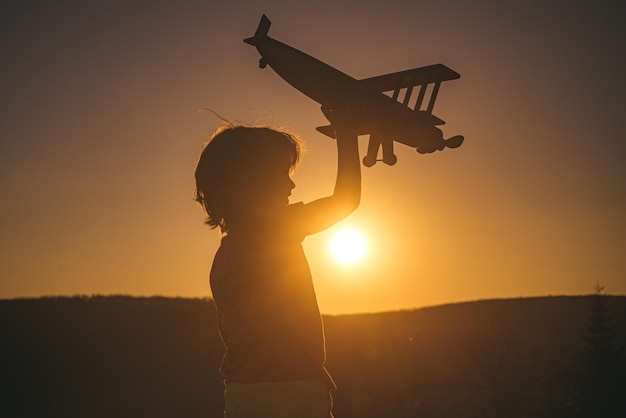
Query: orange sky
100,133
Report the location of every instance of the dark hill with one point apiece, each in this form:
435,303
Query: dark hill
121,356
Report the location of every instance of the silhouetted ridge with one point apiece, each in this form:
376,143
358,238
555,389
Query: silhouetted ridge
123,356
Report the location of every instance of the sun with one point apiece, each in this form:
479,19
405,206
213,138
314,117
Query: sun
348,246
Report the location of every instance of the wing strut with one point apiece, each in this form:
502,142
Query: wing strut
420,97
433,97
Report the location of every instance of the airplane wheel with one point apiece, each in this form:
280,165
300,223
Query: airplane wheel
390,160
368,162
262,63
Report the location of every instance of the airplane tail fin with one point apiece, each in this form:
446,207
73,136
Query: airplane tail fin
261,30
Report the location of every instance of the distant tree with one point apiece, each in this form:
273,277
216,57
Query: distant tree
601,389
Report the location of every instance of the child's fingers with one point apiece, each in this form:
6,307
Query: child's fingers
348,111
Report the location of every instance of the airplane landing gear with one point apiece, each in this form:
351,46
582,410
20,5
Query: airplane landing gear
390,159
369,161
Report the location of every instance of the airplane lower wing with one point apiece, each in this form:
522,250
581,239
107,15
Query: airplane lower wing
327,130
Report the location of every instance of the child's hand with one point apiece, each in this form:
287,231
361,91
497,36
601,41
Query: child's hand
345,117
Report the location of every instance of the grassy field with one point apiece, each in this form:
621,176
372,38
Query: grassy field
127,357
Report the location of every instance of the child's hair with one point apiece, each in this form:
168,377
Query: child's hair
233,156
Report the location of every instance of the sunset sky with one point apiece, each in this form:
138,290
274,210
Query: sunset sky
100,132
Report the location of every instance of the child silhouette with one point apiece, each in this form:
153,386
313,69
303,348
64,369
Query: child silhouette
269,320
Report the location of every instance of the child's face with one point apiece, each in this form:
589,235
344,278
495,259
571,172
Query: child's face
280,186
272,187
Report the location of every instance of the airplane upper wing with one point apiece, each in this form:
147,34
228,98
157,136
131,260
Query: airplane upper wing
409,78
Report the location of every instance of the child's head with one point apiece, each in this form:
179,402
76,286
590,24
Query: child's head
242,167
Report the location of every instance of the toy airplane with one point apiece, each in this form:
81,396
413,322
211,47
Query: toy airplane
382,116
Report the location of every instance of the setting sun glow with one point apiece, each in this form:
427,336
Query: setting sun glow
348,246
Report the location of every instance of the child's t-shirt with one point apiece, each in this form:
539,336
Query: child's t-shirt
268,315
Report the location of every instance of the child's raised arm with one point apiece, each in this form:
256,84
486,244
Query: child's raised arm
325,212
